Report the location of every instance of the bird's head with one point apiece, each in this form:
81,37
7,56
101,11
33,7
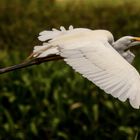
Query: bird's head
126,42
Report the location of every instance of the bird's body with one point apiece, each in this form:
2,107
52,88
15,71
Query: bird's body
93,54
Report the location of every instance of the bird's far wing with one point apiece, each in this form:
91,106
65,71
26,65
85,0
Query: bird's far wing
106,68
47,35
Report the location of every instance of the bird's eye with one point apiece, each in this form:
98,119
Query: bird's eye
132,40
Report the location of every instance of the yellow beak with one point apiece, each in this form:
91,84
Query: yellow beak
136,39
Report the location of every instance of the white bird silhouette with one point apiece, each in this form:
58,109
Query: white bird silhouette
95,55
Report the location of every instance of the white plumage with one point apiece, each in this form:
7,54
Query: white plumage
92,53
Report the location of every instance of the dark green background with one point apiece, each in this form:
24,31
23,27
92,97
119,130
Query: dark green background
50,101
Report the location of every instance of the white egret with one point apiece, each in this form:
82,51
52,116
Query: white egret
95,55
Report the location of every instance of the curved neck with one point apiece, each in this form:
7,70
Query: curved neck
119,46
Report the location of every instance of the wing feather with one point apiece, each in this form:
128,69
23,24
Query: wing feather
102,65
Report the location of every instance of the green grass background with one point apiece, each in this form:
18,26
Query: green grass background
50,101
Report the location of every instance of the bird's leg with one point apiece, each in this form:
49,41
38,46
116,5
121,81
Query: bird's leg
35,61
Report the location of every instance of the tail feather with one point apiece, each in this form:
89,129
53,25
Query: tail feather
44,50
48,52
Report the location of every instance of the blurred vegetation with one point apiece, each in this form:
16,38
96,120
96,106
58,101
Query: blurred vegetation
50,101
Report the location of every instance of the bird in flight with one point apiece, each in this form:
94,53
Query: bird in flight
95,55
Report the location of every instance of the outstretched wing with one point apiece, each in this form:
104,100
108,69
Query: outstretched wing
102,65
